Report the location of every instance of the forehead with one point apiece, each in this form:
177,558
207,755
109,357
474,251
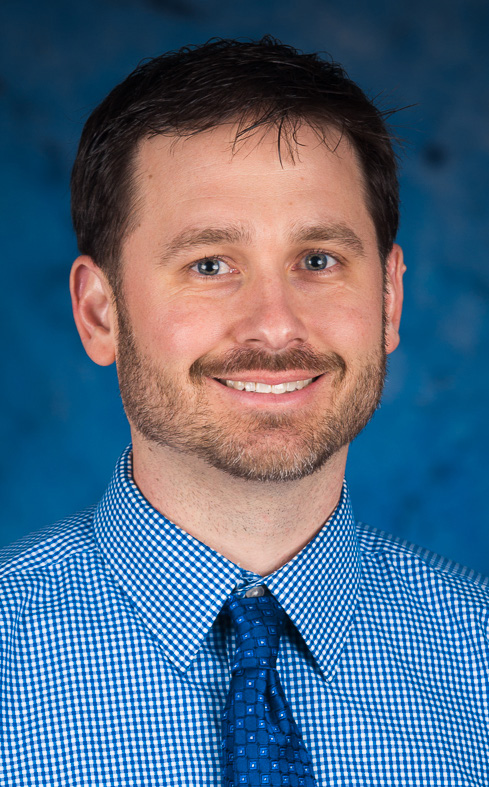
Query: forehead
211,175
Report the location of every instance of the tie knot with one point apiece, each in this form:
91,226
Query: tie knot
258,623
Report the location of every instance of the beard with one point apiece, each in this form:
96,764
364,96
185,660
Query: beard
257,446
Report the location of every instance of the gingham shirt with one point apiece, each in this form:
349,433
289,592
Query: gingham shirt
116,660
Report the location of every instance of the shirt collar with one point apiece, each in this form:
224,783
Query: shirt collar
179,584
318,588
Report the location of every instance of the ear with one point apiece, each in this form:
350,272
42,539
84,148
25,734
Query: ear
93,310
393,297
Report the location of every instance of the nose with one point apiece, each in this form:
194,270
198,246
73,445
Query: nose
270,316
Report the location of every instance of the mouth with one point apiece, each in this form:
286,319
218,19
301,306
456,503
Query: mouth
262,387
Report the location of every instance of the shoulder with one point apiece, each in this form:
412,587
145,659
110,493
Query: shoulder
43,572
414,572
46,549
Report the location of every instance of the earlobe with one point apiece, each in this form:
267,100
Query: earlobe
393,297
93,310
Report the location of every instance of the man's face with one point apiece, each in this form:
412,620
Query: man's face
243,270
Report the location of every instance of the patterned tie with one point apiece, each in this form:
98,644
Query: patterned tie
261,741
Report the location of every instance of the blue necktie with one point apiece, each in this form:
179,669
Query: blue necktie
261,742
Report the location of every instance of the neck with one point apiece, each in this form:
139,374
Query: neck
259,526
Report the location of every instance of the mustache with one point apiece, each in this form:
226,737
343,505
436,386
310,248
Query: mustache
246,359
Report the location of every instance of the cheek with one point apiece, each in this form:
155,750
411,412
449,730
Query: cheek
350,324
181,331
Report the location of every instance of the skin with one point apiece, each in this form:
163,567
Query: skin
264,301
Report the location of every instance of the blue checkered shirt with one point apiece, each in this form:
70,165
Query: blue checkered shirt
115,661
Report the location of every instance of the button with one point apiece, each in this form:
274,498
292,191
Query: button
254,592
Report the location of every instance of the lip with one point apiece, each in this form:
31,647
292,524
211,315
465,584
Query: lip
269,401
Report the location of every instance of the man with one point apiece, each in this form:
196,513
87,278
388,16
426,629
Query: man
219,618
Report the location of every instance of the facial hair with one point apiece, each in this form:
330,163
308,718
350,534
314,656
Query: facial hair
258,446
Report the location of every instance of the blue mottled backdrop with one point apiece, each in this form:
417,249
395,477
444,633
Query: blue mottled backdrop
420,467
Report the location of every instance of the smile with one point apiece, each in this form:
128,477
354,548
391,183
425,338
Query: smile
256,387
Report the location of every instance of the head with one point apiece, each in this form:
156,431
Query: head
269,175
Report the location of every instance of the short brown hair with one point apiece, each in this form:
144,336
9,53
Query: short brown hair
256,84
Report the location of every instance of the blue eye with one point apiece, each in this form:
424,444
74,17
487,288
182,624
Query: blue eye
208,267
211,266
319,261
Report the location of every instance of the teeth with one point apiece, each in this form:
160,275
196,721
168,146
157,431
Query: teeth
280,388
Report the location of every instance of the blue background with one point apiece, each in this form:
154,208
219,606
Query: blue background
420,467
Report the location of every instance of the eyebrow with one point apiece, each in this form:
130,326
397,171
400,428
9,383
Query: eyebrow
205,236
239,234
338,232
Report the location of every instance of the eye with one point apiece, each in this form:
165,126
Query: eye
211,266
319,261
